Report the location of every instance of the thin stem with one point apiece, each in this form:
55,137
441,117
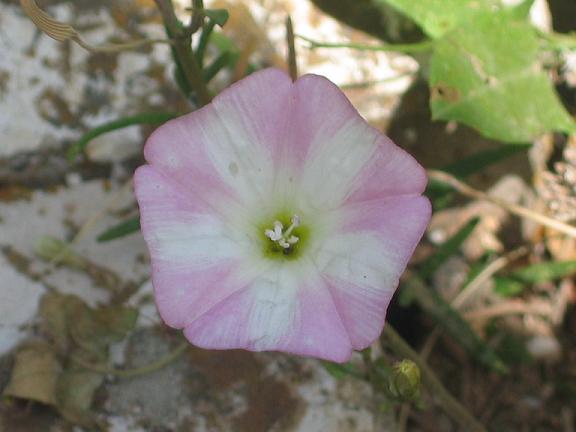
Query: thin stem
143,370
452,407
476,284
183,50
414,48
364,84
292,64
517,210
203,42
197,17
117,47
512,307
559,41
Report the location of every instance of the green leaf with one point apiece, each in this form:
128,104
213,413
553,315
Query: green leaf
122,229
486,74
522,10
218,16
436,17
544,272
447,249
144,118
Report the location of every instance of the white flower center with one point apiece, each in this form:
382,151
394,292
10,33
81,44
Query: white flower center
283,238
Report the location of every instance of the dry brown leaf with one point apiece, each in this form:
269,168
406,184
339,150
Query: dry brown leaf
62,32
53,28
35,374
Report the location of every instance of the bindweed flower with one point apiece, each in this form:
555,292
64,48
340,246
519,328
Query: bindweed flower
278,219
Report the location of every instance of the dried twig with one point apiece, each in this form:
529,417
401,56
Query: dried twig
517,210
143,370
62,32
476,284
508,308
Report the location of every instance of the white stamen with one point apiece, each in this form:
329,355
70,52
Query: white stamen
278,229
293,240
284,240
270,234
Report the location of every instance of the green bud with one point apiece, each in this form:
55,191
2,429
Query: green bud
405,381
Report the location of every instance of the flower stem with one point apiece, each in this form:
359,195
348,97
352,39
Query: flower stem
452,407
414,48
197,17
517,210
183,50
143,370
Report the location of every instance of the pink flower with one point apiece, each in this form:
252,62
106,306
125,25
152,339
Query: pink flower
278,219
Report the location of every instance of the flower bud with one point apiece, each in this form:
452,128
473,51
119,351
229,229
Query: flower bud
405,381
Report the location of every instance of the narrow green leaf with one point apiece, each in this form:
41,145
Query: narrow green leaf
544,271
454,325
508,287
123,229
217,65
203,42
512,349
218,16
441,194
483,159
144,118
447,249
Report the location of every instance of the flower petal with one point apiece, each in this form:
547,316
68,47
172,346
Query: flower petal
340,155
362,264
277,311
229,145
192,250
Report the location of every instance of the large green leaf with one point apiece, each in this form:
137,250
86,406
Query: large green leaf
486,74
436,17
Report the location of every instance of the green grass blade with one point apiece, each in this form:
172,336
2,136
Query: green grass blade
124,122
454,325
123,229
447,249
543,272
